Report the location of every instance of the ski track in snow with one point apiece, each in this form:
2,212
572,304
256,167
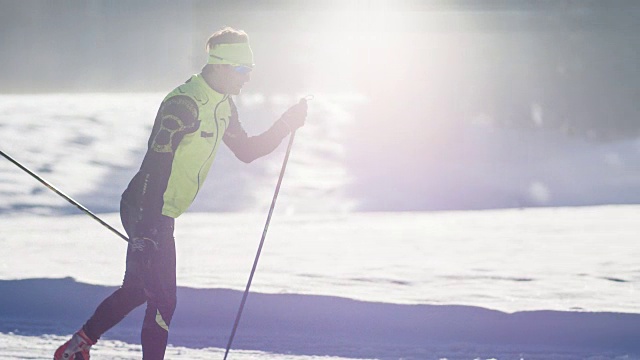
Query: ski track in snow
18,347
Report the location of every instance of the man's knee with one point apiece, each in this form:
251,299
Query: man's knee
159,314
164,312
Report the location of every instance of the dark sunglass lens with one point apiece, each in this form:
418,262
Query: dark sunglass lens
242,69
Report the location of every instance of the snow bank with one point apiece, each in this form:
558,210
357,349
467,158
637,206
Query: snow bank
323,325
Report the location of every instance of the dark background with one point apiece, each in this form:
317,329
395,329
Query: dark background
578,60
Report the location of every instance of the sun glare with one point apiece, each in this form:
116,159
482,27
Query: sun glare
351,42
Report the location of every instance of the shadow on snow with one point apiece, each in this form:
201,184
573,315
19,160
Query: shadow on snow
320,325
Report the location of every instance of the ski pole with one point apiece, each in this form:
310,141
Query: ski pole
264,235
65,196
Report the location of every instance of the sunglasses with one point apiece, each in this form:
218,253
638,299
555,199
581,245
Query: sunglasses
241,69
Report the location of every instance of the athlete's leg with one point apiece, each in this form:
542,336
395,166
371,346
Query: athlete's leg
160,288
131,295
114,308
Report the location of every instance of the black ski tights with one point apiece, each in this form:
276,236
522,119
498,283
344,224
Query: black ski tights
150,279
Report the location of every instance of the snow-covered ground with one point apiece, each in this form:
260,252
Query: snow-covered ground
562,259
421,283
543,283
14,347
90,145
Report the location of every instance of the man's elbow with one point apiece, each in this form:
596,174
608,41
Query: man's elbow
246,157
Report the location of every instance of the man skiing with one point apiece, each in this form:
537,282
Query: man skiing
191,123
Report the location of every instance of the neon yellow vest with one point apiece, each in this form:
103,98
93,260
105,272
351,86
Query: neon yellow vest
195,153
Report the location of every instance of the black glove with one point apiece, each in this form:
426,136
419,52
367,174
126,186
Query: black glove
295,116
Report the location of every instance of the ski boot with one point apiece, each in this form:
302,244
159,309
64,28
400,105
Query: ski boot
77,348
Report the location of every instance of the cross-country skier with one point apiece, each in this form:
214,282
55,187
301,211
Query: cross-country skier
193,120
